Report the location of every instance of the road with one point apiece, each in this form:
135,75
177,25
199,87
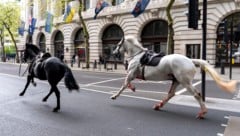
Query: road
92,113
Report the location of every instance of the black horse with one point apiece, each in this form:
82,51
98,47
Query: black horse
48,68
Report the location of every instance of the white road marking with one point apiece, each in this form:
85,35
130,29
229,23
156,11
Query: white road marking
130,96
220,134
116,88
184,89
224,125
154,82
226,117
104,81
211,103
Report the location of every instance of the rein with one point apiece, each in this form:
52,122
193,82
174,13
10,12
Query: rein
131,57
19,71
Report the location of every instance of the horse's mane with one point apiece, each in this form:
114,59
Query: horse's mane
33,47
134,41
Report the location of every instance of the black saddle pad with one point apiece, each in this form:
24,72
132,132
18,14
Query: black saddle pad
151,59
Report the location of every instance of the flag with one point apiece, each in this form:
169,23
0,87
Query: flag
32,26
21,28
48,24
101,4
140,7
69,14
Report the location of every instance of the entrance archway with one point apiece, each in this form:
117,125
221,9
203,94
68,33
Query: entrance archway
59,45
79,48
154,36
224,37
111,36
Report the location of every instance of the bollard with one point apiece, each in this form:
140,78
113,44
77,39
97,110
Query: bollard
72,63
222,68
95,64
115,64
79,63
126,65
105,64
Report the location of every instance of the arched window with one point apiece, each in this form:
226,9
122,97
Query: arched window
42,43
223,44
154,36
58,44
111,36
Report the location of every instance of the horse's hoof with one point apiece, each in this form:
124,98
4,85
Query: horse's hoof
134,89
21,94
34,84
201,115
113,97
156,107
55,109
44,99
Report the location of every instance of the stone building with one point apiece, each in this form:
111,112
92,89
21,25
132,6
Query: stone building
150,28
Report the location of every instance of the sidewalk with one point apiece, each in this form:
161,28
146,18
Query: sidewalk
121,69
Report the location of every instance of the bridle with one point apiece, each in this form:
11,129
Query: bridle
120,45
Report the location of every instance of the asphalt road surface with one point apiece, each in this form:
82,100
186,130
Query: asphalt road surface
91,112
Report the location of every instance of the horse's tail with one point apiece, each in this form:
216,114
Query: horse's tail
229,86
69,80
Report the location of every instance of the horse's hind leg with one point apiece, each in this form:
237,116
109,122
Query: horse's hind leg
198,97
171,93
29,78
57,93
34,83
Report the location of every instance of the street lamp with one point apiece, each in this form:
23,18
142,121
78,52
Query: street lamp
204,42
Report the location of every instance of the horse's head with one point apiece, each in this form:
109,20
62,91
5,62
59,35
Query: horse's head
130,45
30,52
119,49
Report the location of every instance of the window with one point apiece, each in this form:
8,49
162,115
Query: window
86,4
154,36
193,51
117,2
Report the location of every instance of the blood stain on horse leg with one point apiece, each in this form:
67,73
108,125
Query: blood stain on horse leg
132,87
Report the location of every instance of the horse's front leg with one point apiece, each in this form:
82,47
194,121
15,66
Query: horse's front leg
57,93
127,82
29,78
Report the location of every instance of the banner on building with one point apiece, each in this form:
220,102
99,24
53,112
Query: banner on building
69,14
21,28
49,22
140,7
101,4
32,25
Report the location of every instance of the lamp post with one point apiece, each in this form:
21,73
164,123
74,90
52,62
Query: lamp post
204,42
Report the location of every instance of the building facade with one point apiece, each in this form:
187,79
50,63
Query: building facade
150,28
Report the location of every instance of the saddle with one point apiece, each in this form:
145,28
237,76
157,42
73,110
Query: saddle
45,56
151,59
37,66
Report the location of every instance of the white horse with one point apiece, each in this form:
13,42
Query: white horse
175,67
